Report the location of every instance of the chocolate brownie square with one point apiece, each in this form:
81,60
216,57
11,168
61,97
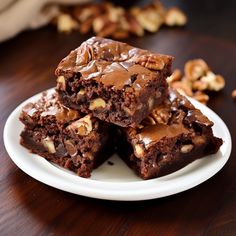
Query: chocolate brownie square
64,136
115,82
171,137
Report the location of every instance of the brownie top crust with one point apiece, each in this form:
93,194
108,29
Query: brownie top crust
150,134
48,105
173,117
113,64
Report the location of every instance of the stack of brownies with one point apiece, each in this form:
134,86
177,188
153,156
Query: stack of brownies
112,97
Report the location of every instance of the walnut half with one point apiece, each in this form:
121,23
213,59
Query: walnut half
151,62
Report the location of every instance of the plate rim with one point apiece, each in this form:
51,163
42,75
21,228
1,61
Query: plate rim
100,192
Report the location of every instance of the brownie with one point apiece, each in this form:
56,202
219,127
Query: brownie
115,82
64,136
171,137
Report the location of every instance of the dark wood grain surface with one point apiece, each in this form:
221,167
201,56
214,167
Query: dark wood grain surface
28,207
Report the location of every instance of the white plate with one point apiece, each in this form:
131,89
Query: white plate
116,182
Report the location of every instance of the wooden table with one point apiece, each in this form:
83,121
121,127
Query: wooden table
28,207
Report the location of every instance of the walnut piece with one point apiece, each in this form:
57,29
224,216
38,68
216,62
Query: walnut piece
175,17
194,69
84,13
81,92
66,114
150,20
214,82
115,13
49,144
199,140
186,148
176,76
65,23
104,27
82,126
99,23
71,148
61,83
97,103
199,85
183,87
138,151
161,115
